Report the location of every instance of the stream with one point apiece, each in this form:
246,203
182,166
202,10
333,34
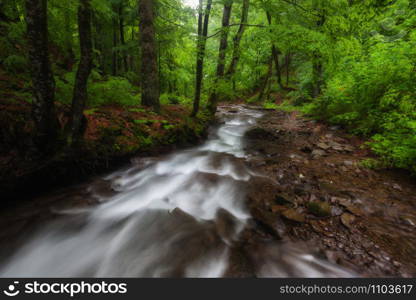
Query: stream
177,216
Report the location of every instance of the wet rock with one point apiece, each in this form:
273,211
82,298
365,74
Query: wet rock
349,148
336,211
408,220
348,220
306,149
226,224
283,199
353,209
260,134
318,153
337,147
267,222
397,187
349,163
323,146
278,208
319,208
303,189
296,157
293,215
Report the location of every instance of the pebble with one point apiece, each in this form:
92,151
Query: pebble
317,153
348,163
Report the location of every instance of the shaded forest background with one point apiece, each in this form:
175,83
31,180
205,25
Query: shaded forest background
349,62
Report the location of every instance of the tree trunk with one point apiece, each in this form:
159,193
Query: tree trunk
115,65
99,54
213,99
275,55
69,59
202,41
263,88
78,120
288,62
43,109
149,66
237,39
317,71
122,38
317,67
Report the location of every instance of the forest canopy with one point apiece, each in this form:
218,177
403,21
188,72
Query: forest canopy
351,63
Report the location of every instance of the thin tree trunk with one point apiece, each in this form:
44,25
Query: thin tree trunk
213,99
317,71
288,61
79,100
122,38
43,108
115,42
317,67
99,55
70,57
263,88
202,41
275,55
237,39
149,67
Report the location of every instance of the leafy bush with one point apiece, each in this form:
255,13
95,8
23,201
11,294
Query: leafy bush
15,63
169,99
114,90
375,96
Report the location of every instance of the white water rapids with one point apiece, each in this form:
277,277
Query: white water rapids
176,217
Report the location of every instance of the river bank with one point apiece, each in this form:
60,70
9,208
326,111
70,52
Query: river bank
316,190
113,136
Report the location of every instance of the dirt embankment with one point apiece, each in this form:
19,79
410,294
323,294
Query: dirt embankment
316,190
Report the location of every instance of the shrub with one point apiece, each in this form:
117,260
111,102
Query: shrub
375,96
115,90
168,99
15,63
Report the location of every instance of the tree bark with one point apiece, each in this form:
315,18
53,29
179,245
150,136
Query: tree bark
288,62
80,96
317,67
122,38
263,89
213,99
317,71
275,55
149,65
69,59
237,39
43,108
115,51
202,41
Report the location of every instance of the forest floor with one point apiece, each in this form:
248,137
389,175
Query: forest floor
315,190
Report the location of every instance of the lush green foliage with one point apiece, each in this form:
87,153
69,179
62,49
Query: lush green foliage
370,86
367,53
350,62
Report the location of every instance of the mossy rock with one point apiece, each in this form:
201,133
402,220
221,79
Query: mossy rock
319,208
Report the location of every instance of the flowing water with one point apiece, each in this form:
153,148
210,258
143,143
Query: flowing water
179,216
